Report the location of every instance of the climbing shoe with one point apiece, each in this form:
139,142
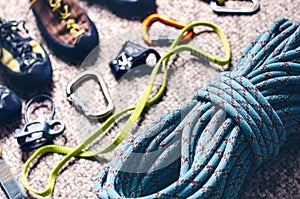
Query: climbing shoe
23,60
10,105
133,9
66,28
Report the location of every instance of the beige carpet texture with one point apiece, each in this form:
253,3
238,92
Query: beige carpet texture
277,178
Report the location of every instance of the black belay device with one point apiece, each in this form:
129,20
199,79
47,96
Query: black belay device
130,56
37,133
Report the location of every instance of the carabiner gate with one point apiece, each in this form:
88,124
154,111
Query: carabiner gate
80,106
163,39
219,6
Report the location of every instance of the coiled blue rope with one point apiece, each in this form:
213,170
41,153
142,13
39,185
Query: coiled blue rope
206,148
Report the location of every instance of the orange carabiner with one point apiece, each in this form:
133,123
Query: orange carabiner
163,40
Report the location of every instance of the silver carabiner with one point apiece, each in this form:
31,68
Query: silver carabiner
80,106
215,5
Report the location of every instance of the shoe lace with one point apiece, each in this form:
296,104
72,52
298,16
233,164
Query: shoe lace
71,25
9,35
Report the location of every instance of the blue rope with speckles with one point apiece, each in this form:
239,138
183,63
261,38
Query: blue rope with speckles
206,148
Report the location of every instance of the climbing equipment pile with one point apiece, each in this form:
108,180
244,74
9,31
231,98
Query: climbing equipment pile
206,148
137,110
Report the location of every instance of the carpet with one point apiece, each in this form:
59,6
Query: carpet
277,178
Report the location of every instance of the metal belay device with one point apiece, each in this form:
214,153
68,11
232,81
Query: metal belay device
206,148
39,132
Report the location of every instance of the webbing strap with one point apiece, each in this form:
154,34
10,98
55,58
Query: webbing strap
137,110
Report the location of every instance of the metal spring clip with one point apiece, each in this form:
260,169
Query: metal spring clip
37,133
219,6
130,56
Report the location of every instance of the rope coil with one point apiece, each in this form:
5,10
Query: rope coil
206,148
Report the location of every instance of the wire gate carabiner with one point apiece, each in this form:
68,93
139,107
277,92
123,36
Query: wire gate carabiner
80,106
37,133
219,6
164,39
